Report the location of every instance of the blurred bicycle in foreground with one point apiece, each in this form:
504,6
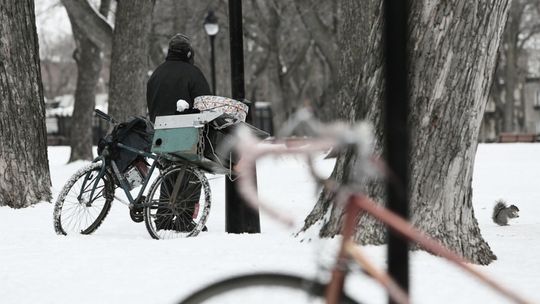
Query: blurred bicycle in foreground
285,288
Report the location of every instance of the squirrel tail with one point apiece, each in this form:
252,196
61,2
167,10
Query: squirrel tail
500,205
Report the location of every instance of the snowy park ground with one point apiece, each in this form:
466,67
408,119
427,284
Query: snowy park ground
120,263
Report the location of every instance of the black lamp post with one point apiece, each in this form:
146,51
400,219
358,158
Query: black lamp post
396,112
212,28
239,217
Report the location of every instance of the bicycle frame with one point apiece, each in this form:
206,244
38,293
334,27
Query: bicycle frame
120,177
356,205
350,250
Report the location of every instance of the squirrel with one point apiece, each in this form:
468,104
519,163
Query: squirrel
502,212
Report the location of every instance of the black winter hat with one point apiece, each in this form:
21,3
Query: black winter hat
181,45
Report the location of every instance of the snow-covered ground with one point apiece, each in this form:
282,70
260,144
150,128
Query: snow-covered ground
120,263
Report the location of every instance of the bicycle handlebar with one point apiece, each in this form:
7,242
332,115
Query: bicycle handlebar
325,136
105,116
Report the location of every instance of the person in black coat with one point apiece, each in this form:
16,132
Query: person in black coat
176,78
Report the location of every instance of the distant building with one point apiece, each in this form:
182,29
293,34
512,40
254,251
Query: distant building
58,113
528,112
531,95
488,129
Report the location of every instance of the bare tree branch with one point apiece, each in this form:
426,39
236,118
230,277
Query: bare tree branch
299,58
91,23
320,33
260,15
531,33
258,39
530,26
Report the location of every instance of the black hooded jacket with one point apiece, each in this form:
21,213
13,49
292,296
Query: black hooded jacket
173,80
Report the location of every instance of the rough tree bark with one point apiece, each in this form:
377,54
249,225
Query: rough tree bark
88,57
24,166
129,61
452,47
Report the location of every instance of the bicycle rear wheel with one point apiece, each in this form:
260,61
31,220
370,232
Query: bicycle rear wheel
75,211
186,216
262,288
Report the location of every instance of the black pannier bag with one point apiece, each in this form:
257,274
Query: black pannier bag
137,132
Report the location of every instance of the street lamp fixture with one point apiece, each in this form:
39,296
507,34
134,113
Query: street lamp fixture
211,28
211,25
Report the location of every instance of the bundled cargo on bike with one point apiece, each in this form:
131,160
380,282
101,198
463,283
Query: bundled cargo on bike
197,137
231,107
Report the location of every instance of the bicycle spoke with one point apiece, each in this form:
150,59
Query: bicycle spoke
167,219
76,210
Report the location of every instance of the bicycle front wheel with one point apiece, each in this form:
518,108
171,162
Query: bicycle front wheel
262,288
84,202
178,203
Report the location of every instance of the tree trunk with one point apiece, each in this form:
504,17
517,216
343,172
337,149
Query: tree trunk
512,71
89,62
510,68
129,62
453,47
509,91
24,166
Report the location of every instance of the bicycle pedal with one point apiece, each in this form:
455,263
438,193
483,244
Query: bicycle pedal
136,215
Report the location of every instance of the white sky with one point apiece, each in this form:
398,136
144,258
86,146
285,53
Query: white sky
51,20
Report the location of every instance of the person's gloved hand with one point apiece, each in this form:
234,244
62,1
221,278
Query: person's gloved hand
181,105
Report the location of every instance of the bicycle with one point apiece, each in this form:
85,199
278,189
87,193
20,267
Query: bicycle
176,205
354,203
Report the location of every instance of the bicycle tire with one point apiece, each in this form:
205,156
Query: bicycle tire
307,289
90,216
187,217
